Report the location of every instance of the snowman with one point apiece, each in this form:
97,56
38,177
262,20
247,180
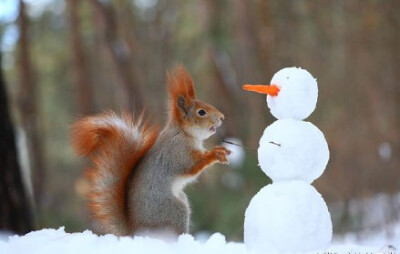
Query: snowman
289,214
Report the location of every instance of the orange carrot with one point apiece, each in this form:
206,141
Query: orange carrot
272,90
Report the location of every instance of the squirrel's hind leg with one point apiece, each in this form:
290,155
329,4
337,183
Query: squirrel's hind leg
172,219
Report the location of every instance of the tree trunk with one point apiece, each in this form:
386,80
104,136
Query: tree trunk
80,70
28,106
226,91
15,211
117,53
248,66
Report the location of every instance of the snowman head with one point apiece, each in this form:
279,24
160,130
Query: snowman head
293,93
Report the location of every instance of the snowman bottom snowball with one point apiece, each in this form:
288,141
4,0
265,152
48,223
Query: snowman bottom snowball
287,216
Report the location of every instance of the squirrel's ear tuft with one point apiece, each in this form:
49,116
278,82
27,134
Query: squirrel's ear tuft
181,83
182,104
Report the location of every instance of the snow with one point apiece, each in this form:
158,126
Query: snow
236,158
4,235
287,216
381,239
385,151
298,94
50,241
292,149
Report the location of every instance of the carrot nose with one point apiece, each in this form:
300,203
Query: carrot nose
272,90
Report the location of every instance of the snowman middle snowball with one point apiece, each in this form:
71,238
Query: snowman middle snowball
291,149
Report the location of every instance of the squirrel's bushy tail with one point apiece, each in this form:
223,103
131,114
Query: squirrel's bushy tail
114,144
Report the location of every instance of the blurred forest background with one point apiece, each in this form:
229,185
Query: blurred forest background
62,59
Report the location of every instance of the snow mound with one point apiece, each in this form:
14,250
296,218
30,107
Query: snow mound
237,155
281,206
293,150
298,94
50,241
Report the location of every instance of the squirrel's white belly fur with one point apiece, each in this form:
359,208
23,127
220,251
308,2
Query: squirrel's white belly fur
178,184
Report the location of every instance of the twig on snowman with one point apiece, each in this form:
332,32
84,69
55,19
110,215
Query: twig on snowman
244,147
272,142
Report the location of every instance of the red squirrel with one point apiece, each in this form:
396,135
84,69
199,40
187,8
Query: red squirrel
138,173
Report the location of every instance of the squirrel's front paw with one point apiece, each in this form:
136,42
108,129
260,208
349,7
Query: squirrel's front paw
221,154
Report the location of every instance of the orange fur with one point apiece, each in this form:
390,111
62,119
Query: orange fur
205,159
115,145
179,83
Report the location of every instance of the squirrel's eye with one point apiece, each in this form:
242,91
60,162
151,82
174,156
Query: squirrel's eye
201,112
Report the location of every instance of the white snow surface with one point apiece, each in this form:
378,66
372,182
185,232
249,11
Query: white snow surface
293,150
236,158
298,94
50,241
287,216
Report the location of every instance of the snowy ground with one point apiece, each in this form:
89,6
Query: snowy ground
58,241
379,240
